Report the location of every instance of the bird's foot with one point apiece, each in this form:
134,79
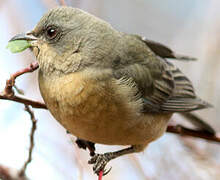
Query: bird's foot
99,162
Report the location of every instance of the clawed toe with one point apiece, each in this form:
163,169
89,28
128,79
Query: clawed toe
100,161
107,171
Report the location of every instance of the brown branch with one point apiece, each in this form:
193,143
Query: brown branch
8,94
33,129
25,101
10,174
180,130
6,173
8,91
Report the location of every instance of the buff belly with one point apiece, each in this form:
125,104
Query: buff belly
101,112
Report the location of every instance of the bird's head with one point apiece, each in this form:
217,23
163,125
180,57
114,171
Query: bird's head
64,36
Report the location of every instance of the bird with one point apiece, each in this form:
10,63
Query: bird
106,86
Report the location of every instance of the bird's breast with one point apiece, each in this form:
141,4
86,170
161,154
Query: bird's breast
100,111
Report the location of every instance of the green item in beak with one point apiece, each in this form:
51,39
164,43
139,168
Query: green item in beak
17,46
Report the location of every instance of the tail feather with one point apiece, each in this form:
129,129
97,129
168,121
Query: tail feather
199,123
183,57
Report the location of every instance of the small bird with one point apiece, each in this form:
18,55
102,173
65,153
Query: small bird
105,86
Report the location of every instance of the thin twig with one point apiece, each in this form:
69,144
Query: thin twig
180,130
22,100
33,129
8,91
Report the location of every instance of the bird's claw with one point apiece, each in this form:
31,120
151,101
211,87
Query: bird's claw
100,161
107,171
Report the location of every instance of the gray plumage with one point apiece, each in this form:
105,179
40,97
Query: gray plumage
106,86
163,87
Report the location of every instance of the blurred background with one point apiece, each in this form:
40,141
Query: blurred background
189,27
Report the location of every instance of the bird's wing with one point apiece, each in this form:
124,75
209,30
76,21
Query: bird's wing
164,51
183,97
163,87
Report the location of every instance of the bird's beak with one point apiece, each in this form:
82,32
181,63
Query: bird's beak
24,36
32,40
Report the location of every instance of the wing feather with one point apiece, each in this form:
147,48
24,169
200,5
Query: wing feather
171,91
163,87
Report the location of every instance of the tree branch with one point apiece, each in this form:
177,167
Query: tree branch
180,130
8,91
10,174
33,129
22,100
7,173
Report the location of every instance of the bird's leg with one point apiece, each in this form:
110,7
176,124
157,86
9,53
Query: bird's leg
86,144
100,160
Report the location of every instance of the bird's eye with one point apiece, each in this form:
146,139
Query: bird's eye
51,32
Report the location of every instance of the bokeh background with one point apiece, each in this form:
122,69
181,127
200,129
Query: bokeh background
189,27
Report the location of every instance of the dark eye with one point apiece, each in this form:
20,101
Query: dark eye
51,32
